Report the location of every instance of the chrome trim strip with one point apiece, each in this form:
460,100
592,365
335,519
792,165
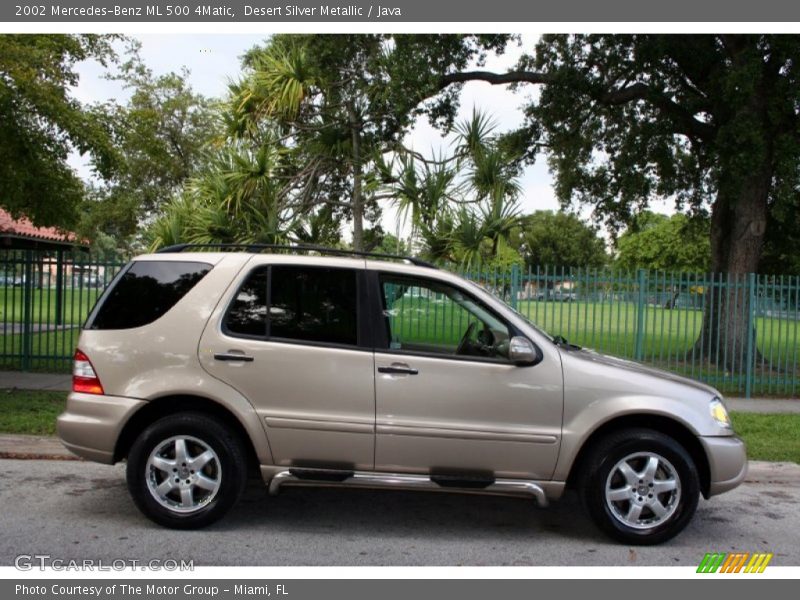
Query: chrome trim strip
466,434
364,479
319,425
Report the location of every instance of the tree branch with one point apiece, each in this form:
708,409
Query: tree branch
496,78
637,91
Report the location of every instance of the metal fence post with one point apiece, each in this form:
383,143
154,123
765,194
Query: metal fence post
514,285
27,311
751,316
640,314
59,287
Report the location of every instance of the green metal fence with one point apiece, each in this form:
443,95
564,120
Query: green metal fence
740,333
45,297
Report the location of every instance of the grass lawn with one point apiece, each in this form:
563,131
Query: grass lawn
77,304
668,334
51,351
30,412
768,436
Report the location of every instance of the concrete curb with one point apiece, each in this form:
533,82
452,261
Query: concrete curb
34,447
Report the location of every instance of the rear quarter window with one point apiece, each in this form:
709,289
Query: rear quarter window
144,292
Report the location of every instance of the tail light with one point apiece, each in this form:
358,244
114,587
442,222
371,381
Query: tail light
84,378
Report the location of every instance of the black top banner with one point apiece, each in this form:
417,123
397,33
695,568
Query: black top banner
467,11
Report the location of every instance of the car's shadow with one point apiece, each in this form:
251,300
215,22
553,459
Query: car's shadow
400,513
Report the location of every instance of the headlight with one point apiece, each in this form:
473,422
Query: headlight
719,413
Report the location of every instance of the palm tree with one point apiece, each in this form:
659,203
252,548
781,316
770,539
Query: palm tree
237,200
463,207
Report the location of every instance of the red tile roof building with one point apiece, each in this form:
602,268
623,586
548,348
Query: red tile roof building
23,230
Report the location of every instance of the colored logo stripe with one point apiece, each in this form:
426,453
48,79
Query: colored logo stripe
734,562
711,562
758,563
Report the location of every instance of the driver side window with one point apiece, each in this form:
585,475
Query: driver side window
435,318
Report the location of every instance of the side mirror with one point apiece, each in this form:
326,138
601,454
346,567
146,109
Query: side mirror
522,352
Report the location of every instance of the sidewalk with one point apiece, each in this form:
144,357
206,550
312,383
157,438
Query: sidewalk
59,382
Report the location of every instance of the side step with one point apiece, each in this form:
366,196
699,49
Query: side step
310,474
403,481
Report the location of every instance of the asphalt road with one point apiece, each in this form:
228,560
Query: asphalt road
78,510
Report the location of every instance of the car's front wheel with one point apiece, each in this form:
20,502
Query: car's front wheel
640,486
186,470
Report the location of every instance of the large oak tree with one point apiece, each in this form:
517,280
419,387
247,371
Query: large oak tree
708,120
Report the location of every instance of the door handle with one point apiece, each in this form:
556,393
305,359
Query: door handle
233,356
398,369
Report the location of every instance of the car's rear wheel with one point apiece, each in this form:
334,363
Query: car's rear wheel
186,470
640,486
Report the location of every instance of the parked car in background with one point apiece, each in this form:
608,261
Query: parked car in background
557,295
11,281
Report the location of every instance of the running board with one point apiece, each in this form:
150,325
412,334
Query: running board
366,479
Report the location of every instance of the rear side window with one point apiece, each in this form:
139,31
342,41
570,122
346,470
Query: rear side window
307,304
247,314
313,304
145,292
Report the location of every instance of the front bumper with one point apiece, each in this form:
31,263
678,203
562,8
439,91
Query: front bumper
91,425
727,461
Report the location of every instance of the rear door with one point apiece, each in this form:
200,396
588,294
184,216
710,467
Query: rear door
291,339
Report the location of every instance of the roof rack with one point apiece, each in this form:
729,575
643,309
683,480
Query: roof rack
297,248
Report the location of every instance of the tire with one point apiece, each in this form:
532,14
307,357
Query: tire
158,477
664,493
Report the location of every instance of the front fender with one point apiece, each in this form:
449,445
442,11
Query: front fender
581,422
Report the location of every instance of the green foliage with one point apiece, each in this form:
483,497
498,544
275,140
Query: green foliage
238,199
163,134
321,93
658,242
341,102
462,207
40,123
710,121
505,258
558,239
390,244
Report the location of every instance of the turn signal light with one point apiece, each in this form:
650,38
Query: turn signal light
84,378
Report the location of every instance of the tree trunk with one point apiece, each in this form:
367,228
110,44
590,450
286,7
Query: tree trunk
357,201
738,224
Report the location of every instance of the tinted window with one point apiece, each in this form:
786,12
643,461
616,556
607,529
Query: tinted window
145,292
313,304
248,312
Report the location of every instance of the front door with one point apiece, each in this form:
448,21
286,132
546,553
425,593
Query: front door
290,342
447,399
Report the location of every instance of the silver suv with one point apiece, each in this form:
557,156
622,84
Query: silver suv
335,368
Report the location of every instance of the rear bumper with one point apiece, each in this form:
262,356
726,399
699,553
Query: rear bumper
92,423
727,461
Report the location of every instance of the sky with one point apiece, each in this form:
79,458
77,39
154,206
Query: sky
213,60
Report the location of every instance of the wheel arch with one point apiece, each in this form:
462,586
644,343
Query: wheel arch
671,427
175,404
